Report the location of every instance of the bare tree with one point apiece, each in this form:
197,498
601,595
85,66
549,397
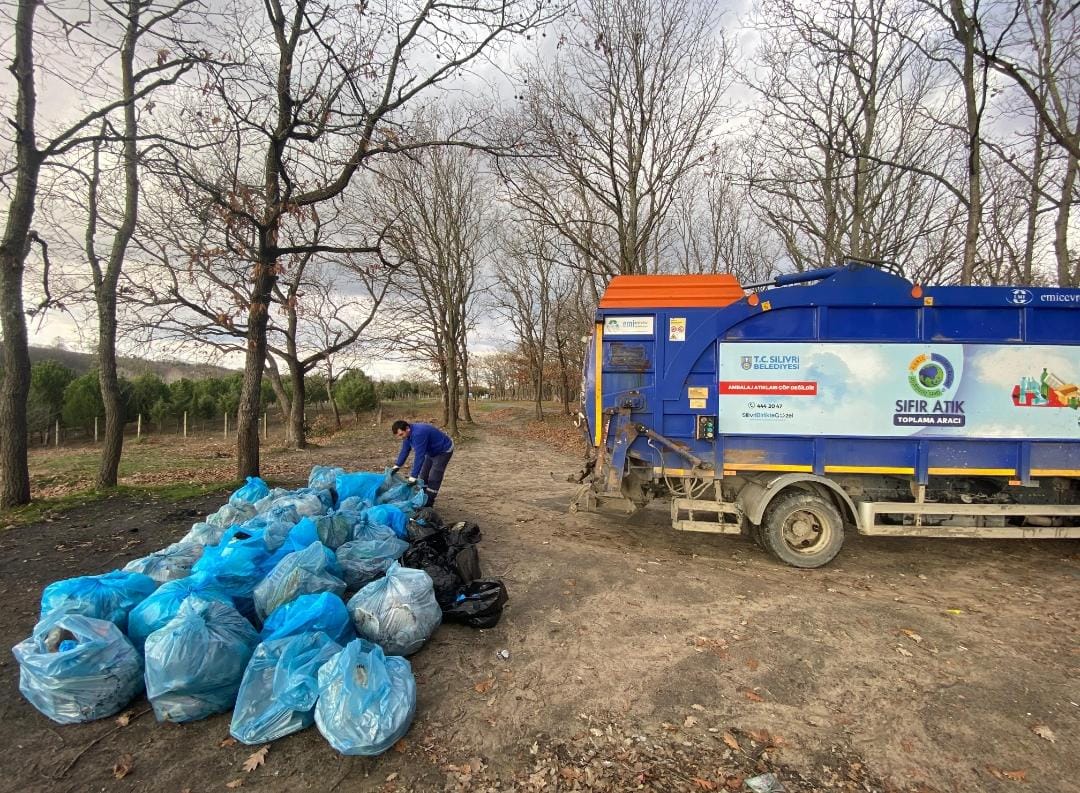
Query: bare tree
294,122
526,297
612,123
843,159
82,53
441,227
715,230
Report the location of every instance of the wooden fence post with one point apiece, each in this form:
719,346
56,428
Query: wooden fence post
185,423
95,430
225,435
138,428
56,439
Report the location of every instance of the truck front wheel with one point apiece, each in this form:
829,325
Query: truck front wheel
802,529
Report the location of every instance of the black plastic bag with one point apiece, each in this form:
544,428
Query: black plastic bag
479,604
450,558
424,523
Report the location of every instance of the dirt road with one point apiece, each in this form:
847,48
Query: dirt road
638,658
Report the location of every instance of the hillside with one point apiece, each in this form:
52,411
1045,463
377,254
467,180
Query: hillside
168,371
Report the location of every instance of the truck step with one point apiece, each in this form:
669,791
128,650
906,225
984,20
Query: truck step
968,520
711,517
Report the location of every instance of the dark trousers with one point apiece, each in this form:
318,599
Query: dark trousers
432,471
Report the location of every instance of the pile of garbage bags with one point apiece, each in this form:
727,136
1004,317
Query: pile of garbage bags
287,607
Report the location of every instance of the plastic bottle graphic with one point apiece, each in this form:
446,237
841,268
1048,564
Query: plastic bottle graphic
1044,386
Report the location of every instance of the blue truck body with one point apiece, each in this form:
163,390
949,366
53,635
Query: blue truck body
857,381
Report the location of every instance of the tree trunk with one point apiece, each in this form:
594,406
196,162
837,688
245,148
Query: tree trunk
15,386
452,383
540,393
330,397
965,33
105,283
110,393
297,436
444,388
564,374
1067,275
464,357
247,418
1030,232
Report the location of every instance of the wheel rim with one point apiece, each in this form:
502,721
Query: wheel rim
807,531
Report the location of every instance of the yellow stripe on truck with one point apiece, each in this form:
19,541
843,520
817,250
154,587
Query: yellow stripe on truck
598,379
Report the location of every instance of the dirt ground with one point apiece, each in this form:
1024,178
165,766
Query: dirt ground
639,658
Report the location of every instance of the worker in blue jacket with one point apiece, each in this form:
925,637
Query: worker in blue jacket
432,449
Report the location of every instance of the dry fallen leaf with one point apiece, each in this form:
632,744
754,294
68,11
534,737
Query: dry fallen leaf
484,686
401,746
752,664
256,759
391,777
904,652
690,721
234,784
703,784
1044,732
1019,775
123,766
124,719
230,741
761,736
912,635
731,741
753,696
734,783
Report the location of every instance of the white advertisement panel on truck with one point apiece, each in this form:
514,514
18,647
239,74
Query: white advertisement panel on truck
897,390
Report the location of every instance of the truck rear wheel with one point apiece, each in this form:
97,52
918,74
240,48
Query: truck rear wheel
802,529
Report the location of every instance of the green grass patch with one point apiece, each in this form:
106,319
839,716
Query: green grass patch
49,507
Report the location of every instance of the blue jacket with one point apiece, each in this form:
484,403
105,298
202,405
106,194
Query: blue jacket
426,441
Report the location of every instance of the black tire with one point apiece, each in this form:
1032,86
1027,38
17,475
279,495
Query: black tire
802,529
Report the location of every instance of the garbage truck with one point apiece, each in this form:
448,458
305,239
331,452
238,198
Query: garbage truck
842,399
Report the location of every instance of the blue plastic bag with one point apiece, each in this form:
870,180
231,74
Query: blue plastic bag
75,668
237,563
194,664
388,515
324,477
366,700
335,528
170,563
306,501
252,491
110,596
396,491
407,501
362,561
158,610
276,523
232,514
314,569
300,536
280,686
204,534
398,612
324,612
360,484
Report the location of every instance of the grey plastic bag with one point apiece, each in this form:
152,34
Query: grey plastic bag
398,612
